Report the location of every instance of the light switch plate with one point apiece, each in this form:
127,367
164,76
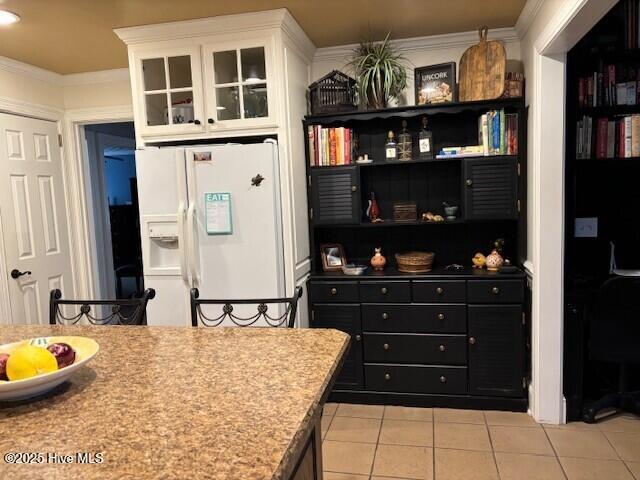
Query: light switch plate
586,227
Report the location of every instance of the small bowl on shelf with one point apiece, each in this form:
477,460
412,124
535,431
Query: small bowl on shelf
353,269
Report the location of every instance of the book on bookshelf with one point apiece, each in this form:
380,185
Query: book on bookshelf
498,133
329,146
608,138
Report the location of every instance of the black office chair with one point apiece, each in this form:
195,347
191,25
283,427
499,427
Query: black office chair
287,318
615,337
126,311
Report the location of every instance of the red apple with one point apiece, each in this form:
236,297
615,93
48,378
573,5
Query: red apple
65,355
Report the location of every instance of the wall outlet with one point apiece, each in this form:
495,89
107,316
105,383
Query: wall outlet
586,227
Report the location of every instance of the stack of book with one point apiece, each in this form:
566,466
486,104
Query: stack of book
607,138
460,152
329,147
613,85
498,133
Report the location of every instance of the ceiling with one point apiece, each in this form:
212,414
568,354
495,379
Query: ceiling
73,36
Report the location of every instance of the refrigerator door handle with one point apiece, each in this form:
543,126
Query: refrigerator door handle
182,243
193,245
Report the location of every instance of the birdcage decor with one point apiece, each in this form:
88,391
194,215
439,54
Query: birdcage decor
335,92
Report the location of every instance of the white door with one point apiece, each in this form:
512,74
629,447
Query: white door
247,262
33,218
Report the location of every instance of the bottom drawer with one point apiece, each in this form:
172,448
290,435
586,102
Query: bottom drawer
415,379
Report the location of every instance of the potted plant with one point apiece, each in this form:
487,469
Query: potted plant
380,72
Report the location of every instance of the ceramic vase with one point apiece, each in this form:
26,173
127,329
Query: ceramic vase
494,261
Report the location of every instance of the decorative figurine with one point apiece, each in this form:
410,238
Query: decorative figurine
378,261
391,148
479,260
404,143
425,141
373,211
495,259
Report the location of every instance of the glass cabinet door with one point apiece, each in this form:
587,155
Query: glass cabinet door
170,92
237,84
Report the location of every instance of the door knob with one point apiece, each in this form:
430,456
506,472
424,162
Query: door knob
469,182
472,340
15,273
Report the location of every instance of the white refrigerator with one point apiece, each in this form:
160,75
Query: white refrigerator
210,217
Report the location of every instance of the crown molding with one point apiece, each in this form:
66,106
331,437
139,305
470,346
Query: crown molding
28,109
432,42
100,114
527,16
92,78
241,22
20,68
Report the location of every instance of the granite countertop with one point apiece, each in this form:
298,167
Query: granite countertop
177,403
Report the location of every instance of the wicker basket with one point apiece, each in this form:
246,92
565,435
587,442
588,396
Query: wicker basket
333,93
415,262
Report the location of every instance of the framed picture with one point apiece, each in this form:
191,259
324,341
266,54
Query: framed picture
332,257
435,83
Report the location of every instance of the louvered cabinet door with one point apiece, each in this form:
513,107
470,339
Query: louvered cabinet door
490,188
496,350
344,317
335,198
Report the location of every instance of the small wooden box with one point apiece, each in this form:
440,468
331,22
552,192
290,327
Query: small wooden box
405,212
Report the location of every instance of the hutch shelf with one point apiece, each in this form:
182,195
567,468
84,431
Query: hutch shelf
449,337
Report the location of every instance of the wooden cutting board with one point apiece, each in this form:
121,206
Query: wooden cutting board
482,70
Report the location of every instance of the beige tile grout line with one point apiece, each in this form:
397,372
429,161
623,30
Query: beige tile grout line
375,451
555,452
493,451
615,450
433,441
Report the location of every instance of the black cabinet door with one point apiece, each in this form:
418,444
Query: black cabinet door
347,319
490,188
335,196
496,350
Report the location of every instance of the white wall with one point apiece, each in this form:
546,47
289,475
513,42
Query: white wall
420,52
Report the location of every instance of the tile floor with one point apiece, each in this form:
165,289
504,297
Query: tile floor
369,442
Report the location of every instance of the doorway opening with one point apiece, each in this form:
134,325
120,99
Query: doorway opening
112,208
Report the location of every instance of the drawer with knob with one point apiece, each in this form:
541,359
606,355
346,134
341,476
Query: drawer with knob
416,379
332,292
416,318
495,291
439,291
415,348
381,292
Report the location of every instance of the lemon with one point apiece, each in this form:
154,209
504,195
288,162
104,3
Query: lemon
28,361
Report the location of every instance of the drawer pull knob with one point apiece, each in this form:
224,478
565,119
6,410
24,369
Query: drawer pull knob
384,290
385,316
354,188
495,290
441,316
387,376
439,290
386,346
442,348
472,340
334,291
443,379
358,338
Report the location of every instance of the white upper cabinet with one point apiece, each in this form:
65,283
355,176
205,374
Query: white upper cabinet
169,98
239,84
220,76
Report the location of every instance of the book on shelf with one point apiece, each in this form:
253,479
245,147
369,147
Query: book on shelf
461,152
608,138
498,133
615,84
329,146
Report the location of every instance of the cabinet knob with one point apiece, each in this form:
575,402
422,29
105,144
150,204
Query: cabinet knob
443,379
358,338
385,316
441,316
334,291
386,346
469,182
439,290
387,376
442,348
211,121
384,290
495,290
354,188
197,122
472,340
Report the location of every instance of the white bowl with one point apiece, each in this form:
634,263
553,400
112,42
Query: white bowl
353,269
85,348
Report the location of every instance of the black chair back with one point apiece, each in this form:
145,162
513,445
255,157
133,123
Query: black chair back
126,311
615,328
287,318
